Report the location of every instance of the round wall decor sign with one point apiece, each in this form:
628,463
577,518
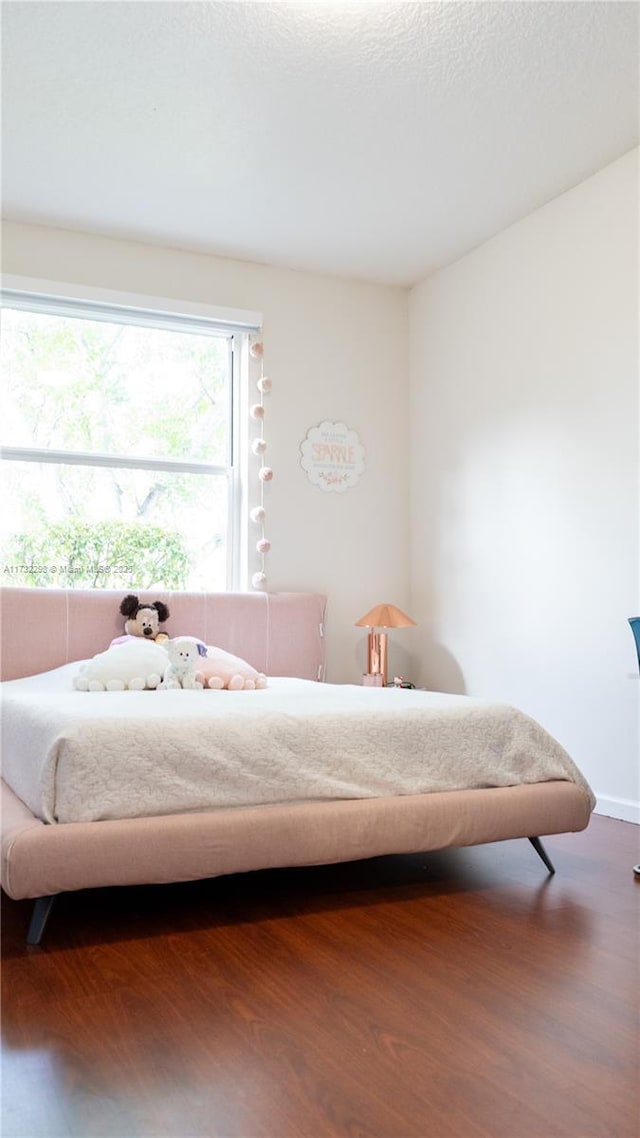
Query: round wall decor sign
332,456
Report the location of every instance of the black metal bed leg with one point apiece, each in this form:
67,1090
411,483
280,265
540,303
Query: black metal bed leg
41,911
541,852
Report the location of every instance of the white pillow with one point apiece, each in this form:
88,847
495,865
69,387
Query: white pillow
136,664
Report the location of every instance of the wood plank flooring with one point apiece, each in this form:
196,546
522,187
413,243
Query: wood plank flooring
463,994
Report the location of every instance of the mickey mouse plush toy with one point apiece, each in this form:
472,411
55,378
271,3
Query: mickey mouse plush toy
144,619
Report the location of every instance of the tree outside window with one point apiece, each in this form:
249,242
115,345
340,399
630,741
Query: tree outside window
117,440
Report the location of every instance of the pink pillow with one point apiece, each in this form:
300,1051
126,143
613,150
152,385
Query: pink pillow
220,669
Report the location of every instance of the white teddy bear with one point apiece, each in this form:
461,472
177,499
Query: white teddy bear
181,671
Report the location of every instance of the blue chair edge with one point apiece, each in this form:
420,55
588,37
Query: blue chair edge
634,621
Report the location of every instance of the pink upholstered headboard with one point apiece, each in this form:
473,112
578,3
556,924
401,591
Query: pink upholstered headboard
281,634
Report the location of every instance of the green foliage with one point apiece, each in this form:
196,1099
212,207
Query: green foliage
90,386
98,555
85,385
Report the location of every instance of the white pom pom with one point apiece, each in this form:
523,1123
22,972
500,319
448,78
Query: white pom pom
264,384
259,580
257,411
116,685
258,446
256,350
258,514
265,474
264,545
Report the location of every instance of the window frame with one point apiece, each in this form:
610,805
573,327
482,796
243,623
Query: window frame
141,310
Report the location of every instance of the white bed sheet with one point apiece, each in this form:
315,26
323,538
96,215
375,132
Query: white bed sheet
81,756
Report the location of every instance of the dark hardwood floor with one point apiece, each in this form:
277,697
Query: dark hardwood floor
463,994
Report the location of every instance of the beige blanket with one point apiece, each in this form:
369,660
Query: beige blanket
79,757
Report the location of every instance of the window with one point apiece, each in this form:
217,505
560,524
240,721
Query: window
120,447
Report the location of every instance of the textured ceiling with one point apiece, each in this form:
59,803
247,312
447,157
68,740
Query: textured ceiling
370,140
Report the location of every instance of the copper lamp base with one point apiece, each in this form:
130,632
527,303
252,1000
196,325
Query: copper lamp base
377,655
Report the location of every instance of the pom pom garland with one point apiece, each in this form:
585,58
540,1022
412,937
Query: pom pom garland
265,473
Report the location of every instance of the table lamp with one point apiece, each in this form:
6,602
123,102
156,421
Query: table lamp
381,617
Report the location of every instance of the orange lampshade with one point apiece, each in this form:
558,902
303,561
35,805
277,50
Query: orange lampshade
385,616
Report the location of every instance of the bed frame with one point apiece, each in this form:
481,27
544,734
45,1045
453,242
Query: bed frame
281,634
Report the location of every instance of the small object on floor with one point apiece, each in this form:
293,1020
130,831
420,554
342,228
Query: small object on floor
636,870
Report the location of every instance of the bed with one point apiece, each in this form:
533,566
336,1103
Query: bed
303,789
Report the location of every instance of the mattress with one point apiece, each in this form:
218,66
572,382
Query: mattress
81,756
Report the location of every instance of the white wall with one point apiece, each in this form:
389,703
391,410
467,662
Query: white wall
334,349
525,510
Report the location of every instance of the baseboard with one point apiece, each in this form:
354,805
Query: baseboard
624,808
